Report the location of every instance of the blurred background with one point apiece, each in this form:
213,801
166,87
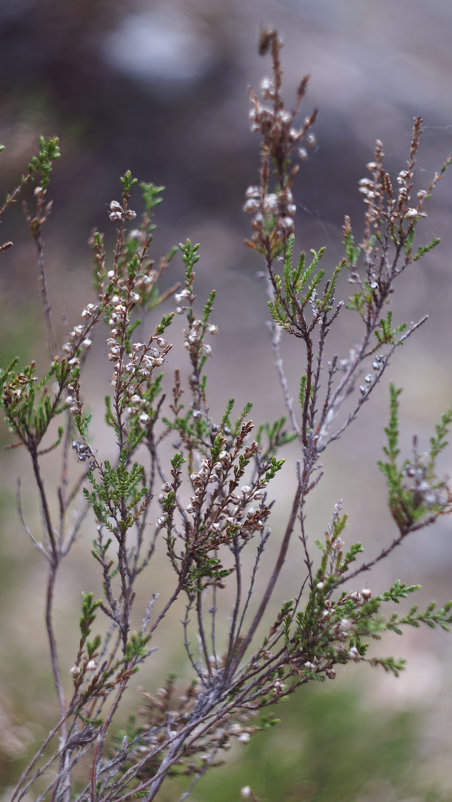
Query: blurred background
160,88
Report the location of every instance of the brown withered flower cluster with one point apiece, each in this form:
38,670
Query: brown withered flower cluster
271,203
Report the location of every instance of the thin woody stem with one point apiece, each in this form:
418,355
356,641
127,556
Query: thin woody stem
45,295
272,581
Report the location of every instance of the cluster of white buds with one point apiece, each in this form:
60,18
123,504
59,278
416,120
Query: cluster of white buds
342,630
404,180
77,337
117,212
424,492
402,177
253,203
147,280
84,453
381,200
360,596
413,214
76,670
73,399
281,139
410,213
119,312
145,357
139,363
267,88
277,125
13,390
225,458
279,206
89,311
242,734
136,403
82,450
367,187
183,299
166,487
230,511
377,364
329,606
193,341
373,189
200,480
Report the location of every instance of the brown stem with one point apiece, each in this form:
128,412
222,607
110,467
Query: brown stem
51,636
272,581
44,295
54,559
102,734
385,552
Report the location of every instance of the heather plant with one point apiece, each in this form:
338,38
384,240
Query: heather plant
199,484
